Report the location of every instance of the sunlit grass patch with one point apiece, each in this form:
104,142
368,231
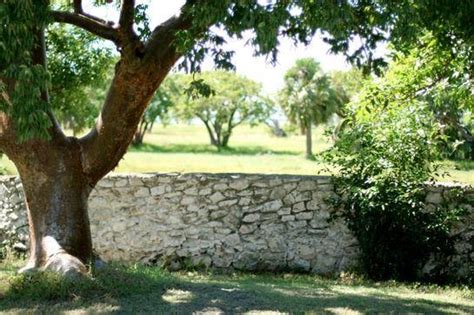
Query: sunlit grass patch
186,148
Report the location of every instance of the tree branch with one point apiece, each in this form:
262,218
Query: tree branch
127,14
77,5
133,86
94,26
164,35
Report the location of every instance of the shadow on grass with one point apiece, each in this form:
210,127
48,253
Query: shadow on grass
463,165
151,290
202,148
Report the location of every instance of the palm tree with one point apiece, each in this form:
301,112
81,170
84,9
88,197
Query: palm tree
308,98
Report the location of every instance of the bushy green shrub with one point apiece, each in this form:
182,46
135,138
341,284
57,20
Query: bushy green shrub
386,156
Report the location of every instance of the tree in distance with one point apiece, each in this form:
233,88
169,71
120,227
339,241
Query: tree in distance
308,98
230,101
164,99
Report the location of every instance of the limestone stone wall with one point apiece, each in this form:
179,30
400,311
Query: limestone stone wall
248,222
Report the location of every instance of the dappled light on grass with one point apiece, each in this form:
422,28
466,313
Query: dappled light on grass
132,289
342,310
175,296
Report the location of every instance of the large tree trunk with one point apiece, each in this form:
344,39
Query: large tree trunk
309,141
56,192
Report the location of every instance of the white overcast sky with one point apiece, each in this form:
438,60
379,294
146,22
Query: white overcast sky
256,68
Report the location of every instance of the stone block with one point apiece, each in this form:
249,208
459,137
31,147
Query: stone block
272,206
307,185
228,203
299,207
304,216
239,184
278,193
158,190
250,218
434,198
216,197
288,218
247,228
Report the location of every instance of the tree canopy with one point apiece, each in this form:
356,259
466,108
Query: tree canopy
78,65
338,21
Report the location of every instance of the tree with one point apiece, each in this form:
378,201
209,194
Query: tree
159,106
233,100
59,172
308,98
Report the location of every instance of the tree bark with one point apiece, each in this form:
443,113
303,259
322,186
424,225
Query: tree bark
225,139
309,141
212,138
56,192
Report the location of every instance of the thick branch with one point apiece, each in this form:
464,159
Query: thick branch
127,14
94,26
135,82
163,36
77,4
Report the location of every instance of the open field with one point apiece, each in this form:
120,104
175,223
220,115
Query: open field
139,289
185,148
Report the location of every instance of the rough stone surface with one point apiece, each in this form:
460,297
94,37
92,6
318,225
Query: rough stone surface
246,222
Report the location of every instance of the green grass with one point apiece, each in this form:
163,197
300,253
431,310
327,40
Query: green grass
132,289
186,148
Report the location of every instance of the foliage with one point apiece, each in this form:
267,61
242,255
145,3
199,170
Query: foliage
338,21
441,78
385,157
346,85
78,66
229,100
22,79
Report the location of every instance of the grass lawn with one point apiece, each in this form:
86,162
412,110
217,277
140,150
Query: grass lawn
185,148
134,289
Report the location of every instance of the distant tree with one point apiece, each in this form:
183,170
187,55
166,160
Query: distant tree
308,98
275,128
231,100
159,107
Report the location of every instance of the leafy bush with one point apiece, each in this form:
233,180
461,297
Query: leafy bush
385,157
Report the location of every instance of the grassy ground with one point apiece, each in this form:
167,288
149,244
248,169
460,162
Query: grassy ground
138,289
185,148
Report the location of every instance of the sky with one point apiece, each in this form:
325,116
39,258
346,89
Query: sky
256,68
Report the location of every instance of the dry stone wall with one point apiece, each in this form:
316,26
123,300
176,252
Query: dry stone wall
247,222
